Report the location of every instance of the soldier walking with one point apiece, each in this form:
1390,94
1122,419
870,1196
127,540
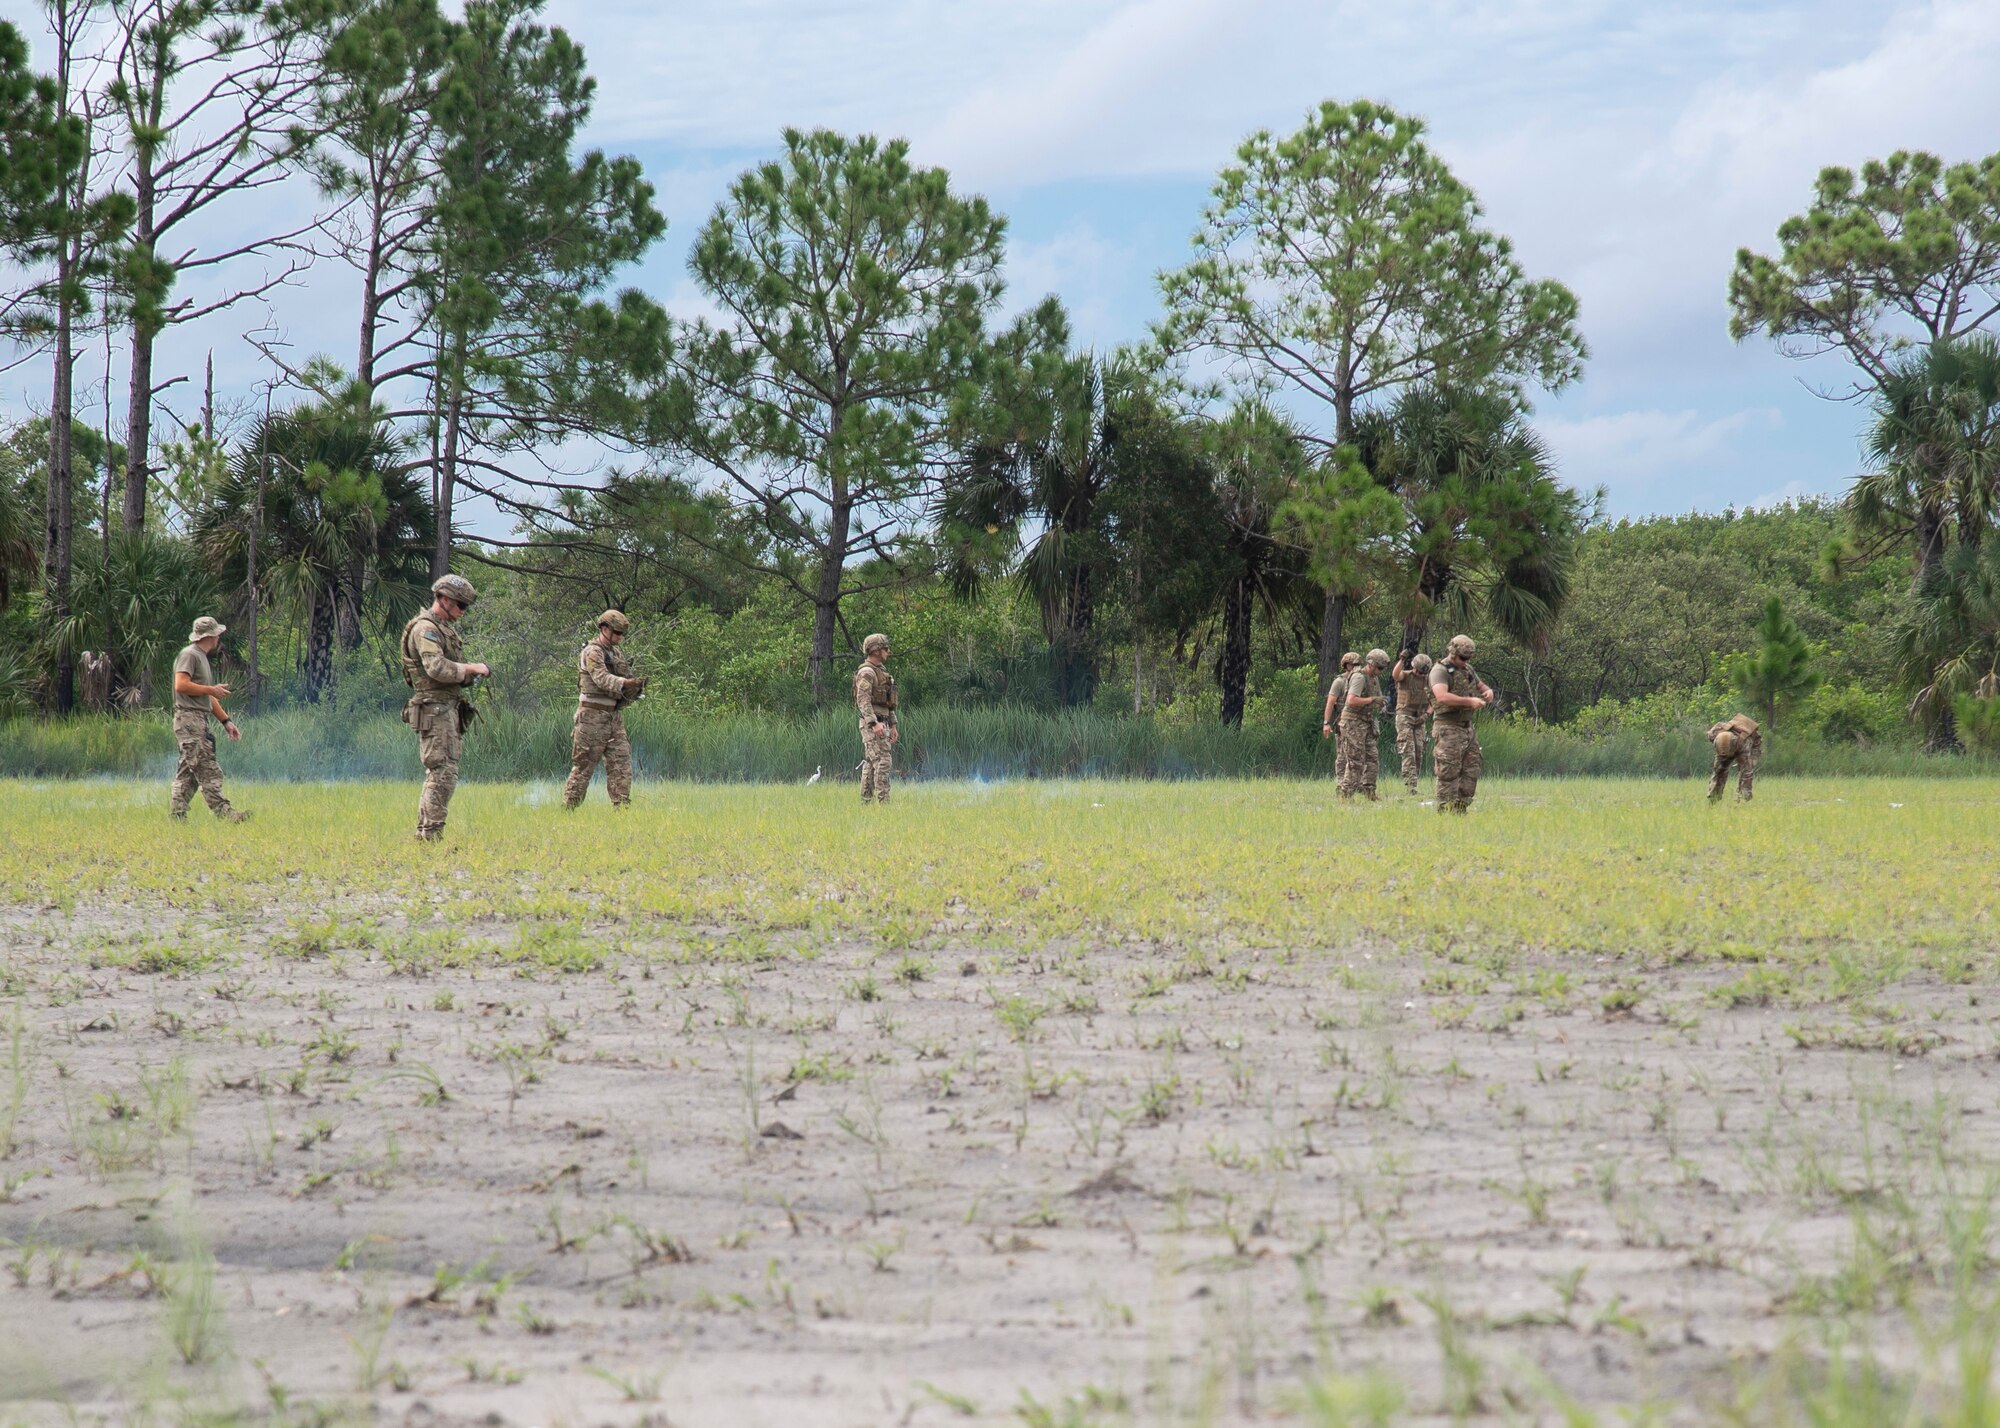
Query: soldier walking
1737,741
1411,676
1358,741
1457,693
1336,692
605,685
875,700
196,697
434,669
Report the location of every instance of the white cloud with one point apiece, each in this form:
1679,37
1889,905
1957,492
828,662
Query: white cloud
1631,448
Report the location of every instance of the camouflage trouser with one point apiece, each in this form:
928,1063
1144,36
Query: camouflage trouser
1363,757
1456,760
1410,742
599,734
875,760
197,769
1745,759
1339,756
440,744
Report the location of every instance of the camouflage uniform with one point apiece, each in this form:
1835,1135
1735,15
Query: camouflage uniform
1456,759
434,667
1358,741
875,699
605,686
1746,746
1339,692
197,767
1413,706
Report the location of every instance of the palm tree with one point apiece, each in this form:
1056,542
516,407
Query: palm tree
1948,645
1935,445
1043,464
345,524
1486,527
135,597
1259,462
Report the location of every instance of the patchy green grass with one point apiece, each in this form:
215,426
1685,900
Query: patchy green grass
1846,873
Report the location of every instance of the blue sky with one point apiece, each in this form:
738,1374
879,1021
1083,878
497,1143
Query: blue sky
1628,149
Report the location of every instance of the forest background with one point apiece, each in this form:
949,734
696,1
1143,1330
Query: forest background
1144,560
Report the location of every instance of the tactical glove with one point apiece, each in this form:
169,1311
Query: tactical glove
635,686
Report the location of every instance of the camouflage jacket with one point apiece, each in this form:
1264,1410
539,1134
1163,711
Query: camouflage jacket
433,657
601,677
1455,680
875,694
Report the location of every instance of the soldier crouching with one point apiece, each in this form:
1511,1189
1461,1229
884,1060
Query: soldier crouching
605,686
1737,741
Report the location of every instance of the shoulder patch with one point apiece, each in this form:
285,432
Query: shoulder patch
431,635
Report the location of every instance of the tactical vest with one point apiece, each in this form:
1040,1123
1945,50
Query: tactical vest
1413,692
1463,682
1361,685
587,691
882,692
448,644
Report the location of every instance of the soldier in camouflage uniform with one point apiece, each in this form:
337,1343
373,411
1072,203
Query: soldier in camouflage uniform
1737,741
434,669
605,685
875,701
1358,739
1457,693
196,697
1335,693
1411,676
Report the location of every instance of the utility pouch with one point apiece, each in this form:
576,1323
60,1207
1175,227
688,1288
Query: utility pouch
410,712
466,714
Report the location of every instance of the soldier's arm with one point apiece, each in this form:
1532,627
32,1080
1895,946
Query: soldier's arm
864,694
215,708
184,684
431,656
599,672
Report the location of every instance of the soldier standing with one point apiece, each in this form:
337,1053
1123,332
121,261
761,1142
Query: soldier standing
1336,692
1357,728
605,685
1411,676
1737,741
875,700
196,697
437,710
1457,693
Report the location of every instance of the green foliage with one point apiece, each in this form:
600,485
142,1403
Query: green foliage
858,285
1979,723
1908,243
1779,669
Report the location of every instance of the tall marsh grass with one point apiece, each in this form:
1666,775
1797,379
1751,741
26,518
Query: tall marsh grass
989,743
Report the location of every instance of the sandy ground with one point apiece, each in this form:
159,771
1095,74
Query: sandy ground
848,1186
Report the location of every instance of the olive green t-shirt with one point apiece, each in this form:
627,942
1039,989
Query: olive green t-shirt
194,664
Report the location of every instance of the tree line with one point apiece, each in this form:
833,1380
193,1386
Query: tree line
1327,431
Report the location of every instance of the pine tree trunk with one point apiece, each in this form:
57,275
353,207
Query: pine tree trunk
826,598
58,547
139,394
1332,630
447,482
319,646
1236,649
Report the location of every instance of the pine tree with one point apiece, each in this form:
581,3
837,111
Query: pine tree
1778,669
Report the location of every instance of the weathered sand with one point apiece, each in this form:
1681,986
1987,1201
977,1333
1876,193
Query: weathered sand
802,1191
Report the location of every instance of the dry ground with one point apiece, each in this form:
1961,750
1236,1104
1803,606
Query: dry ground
389,1163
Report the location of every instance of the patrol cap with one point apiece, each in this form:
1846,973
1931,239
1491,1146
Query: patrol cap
1380,657
455,588
614,621
874,643
1461,645
204,627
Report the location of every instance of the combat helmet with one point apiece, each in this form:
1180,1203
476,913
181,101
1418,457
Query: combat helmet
874,643
1350,659
455,588
1421,664
1380,657
1727,743
614,621
1461,645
